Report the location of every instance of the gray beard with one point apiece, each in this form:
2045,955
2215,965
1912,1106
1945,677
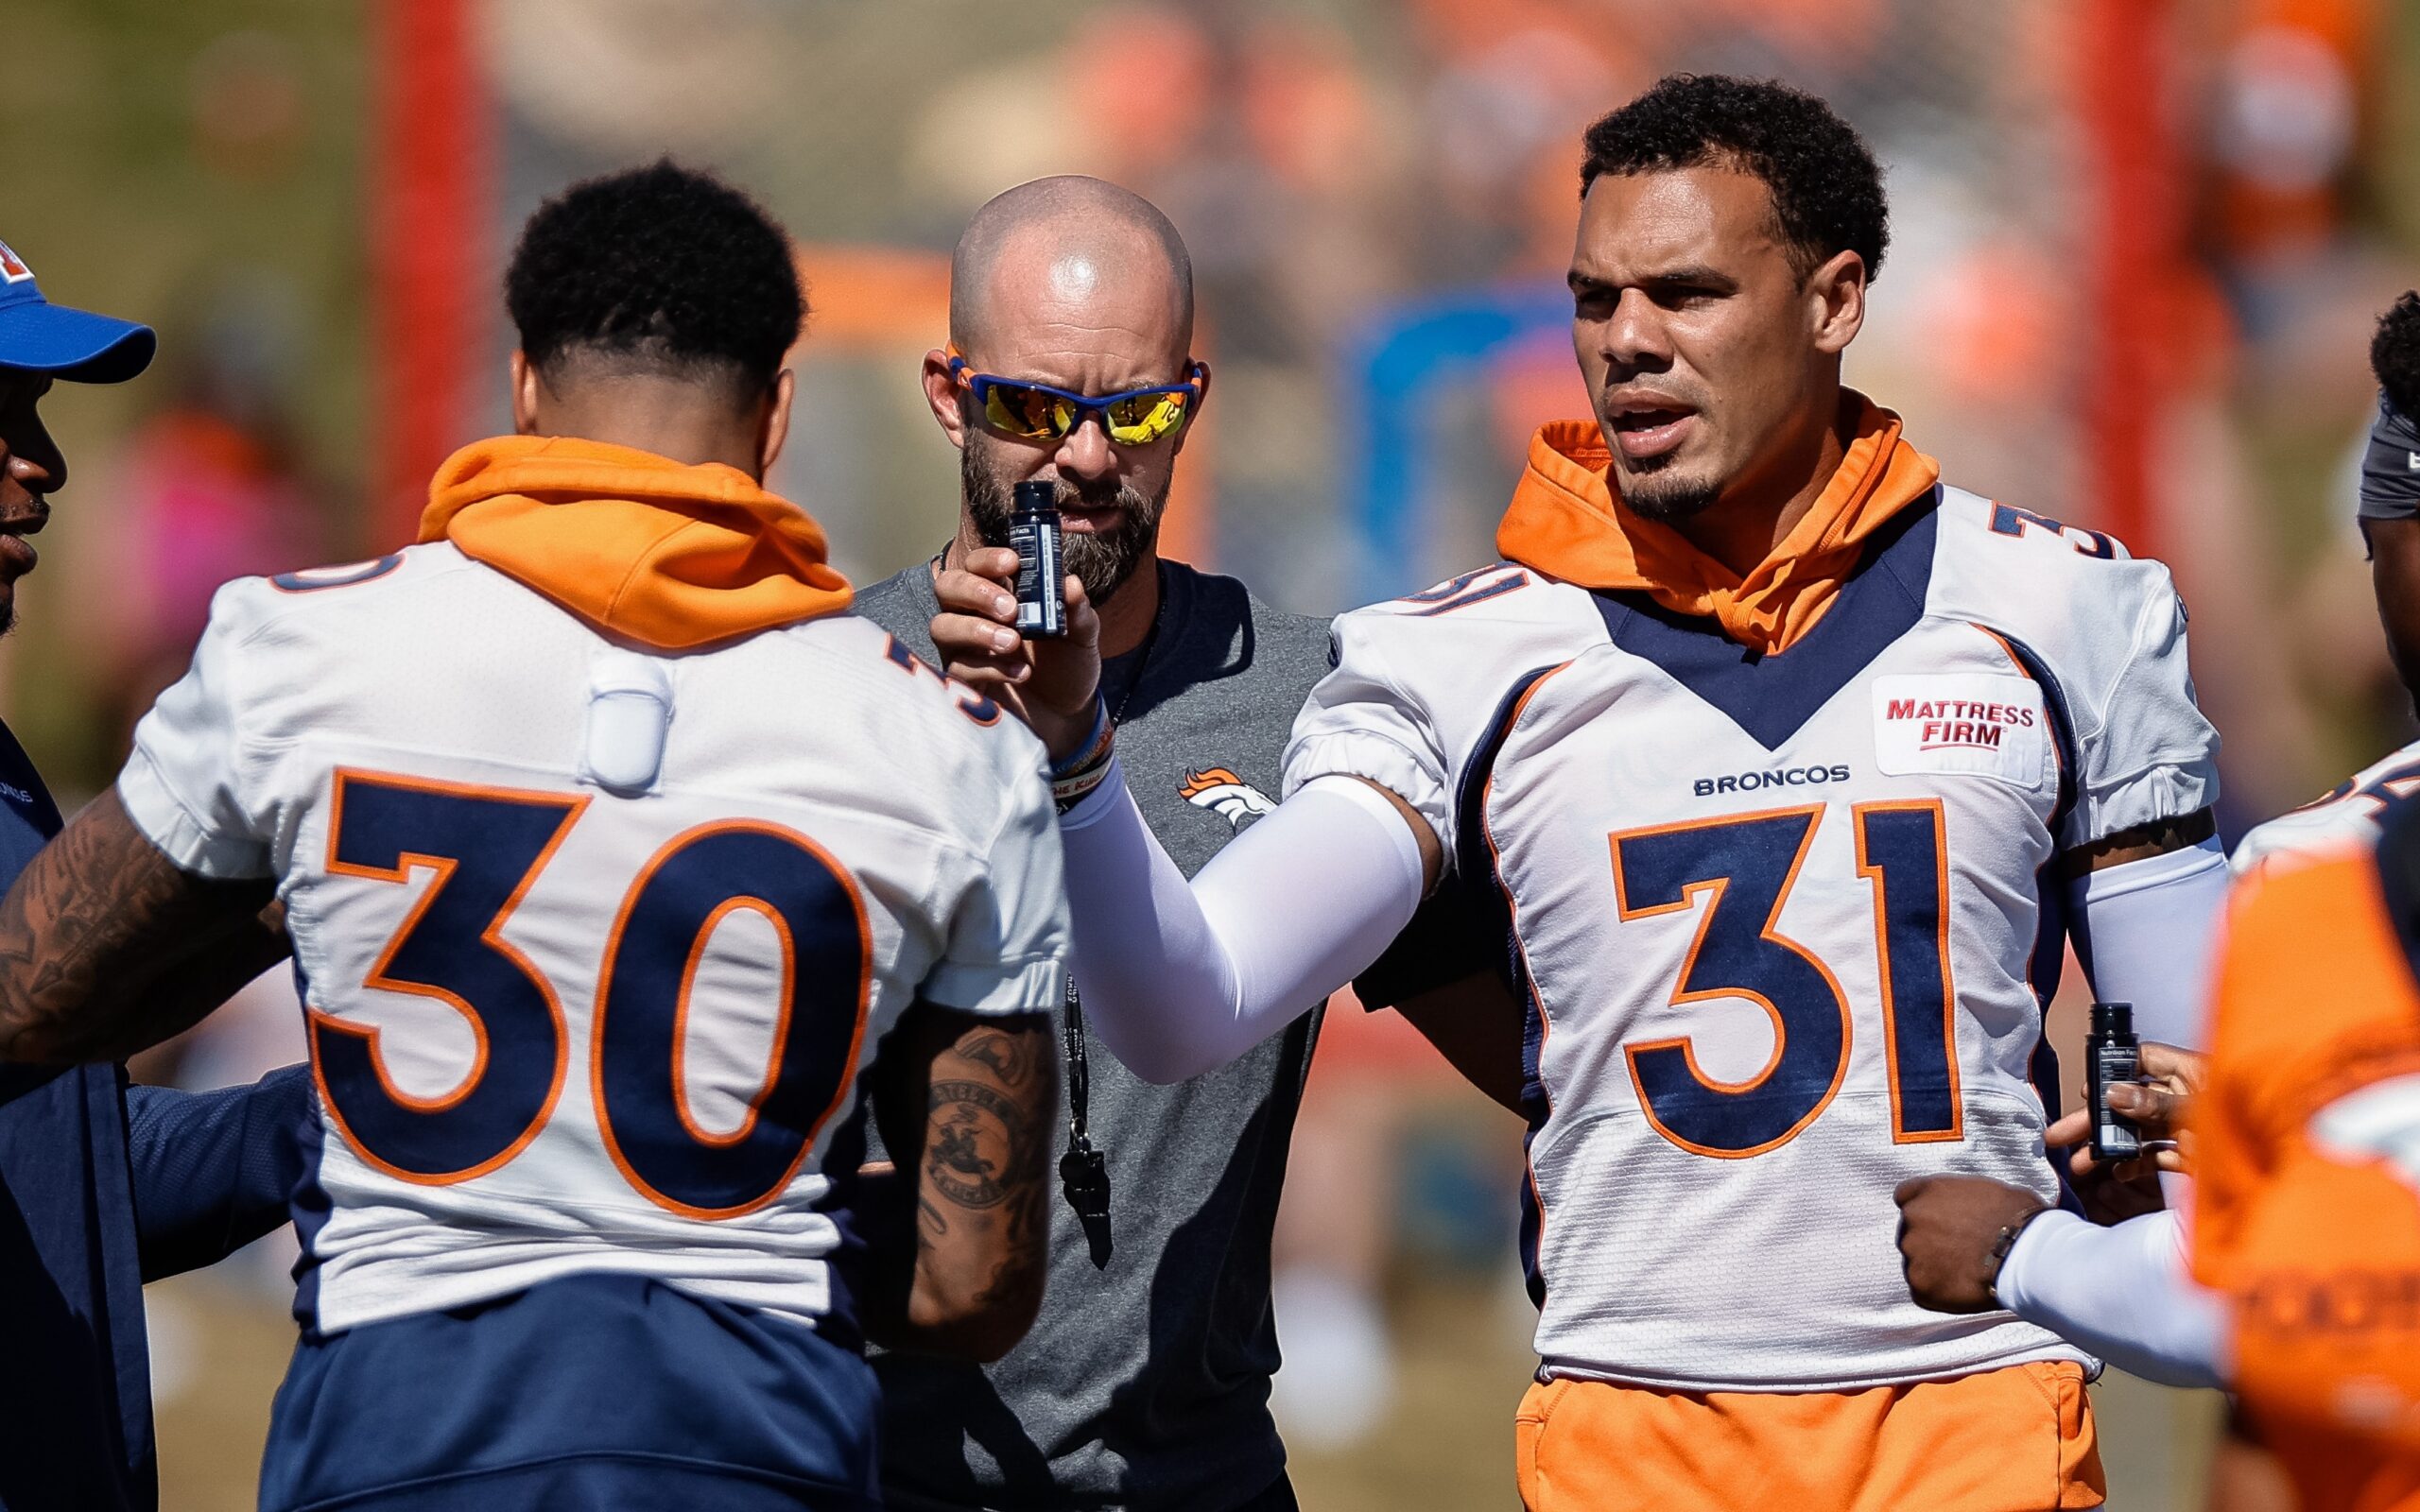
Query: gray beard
1101,562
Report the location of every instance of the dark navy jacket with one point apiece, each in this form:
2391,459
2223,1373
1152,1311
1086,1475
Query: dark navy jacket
81,1152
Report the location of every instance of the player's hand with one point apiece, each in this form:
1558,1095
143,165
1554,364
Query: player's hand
1049,684
1947,1226
2110,1195
2157,1105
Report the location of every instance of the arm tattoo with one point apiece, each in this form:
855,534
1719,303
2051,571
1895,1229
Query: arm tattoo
985,1137
1005,1056
105,946
966,1106
987,1150
975,1134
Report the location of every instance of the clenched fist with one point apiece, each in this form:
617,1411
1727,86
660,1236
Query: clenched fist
1947,1226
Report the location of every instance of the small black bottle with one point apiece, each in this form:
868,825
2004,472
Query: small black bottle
2112,1055
1042,573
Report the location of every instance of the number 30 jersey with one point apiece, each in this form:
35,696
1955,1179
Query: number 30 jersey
571,1010
1787,924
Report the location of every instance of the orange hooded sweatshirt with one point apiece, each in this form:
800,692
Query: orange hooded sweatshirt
659,552
1565,520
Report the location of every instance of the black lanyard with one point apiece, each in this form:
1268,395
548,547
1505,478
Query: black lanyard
1083,1171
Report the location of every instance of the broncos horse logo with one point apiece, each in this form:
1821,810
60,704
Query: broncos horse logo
1223,793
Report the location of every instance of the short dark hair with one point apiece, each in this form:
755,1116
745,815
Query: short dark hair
1826,188
2394,355
659,267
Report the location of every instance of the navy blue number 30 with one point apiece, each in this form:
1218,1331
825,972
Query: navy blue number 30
488,845
1749,865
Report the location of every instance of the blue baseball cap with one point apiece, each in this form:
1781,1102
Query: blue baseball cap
39,337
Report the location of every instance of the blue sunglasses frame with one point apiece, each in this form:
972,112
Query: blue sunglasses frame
1087,406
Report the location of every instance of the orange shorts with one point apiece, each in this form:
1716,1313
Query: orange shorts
2019,1439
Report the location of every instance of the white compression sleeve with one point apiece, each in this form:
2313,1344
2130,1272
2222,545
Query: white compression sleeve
2122,1292
2144,930
1182,979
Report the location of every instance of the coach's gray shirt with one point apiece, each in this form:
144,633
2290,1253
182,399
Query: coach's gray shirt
1145,1384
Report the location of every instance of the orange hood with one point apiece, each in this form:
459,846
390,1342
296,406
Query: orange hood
1565,520
659,552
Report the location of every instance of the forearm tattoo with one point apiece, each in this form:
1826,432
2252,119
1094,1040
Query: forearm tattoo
98,919
987,1147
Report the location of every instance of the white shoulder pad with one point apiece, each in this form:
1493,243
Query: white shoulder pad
971,771
2344,820
186,783
1418,681
196,783
956,713
2106,631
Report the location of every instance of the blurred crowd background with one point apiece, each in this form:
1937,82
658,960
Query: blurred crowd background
2138,246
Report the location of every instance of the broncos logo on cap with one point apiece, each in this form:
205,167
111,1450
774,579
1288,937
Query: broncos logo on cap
1226,794
12,268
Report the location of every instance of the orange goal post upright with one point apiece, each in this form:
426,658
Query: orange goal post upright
431,212
2127,102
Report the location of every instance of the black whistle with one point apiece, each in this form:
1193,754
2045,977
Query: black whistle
2112,1055
1042,573
1083,1176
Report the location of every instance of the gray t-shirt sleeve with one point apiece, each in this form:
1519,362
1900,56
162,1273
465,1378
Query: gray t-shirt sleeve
2390,467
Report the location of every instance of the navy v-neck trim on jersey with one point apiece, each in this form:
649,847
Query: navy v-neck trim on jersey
1771,697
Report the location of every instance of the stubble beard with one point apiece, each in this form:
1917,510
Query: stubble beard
1101,562
1651,492
1668,501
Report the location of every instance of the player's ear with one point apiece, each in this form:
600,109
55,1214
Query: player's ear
1835,300
525,394
775,427
940,394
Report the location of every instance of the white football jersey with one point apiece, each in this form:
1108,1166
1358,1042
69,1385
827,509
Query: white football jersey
1782,919
586,990
2344,819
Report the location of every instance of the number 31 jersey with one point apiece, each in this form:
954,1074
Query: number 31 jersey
1787,924
571,1009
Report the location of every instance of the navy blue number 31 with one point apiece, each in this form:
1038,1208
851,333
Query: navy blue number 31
487,846
1749,865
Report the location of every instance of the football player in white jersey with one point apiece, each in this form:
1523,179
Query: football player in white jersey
1789,767
614,848
2124,1289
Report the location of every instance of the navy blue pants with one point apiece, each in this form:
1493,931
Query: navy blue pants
589,1393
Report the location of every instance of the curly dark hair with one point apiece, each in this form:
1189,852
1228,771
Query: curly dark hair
2394,354
660,267
1826,187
